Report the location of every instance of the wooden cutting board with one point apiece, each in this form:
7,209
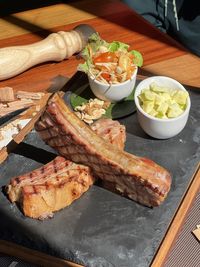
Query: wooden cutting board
33,113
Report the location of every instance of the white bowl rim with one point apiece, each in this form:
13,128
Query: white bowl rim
115,84
159,119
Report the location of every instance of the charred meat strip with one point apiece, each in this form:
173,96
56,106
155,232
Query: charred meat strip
50,187
58,183
138,178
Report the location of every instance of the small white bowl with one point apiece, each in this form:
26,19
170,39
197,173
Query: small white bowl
155,127
112,92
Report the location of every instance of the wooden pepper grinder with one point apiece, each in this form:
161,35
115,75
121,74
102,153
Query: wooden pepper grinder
56,47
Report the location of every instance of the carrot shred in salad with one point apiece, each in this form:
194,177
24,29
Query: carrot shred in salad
109,62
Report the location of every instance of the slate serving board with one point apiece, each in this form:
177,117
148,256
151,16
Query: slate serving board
101,228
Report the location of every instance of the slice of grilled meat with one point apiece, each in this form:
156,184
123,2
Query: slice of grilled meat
41,200
110,130
58,183
50,187
138,178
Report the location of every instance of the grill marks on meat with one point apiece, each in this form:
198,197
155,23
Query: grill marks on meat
50,188
140,179
58,183
110,130
40,174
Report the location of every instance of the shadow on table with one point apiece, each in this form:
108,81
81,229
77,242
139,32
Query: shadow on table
7,8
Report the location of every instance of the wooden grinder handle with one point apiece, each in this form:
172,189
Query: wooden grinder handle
56,47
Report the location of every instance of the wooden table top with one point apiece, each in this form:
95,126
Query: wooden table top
114,21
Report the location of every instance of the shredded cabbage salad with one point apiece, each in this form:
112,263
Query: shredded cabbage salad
109,62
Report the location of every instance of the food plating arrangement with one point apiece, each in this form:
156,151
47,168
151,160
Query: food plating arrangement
91,146
97,149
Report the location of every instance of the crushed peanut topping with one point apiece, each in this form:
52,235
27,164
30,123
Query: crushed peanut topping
92,110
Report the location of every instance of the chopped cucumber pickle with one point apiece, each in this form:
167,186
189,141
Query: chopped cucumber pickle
148,95
148,106
174,111
163,102
180,97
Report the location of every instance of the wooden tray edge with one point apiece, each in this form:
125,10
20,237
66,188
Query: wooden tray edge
33,256
178,220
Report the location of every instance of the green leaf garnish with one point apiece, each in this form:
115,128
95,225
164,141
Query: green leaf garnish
83,67
138,59
115,46
114,111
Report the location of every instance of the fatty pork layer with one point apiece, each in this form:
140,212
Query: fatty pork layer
139,178
50,187
58,183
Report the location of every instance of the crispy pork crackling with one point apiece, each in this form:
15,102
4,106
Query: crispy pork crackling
139,178
58,183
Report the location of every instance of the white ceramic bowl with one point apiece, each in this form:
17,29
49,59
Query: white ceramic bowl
112,92
155,127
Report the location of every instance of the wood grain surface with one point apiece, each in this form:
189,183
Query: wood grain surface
162,55
33,256
55,15
34,112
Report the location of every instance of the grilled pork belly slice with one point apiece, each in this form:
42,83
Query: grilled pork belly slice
50,187
115,134
58,183
110,130
41,175
138,178
41,200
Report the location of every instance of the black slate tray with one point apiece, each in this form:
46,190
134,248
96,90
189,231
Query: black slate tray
103,229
